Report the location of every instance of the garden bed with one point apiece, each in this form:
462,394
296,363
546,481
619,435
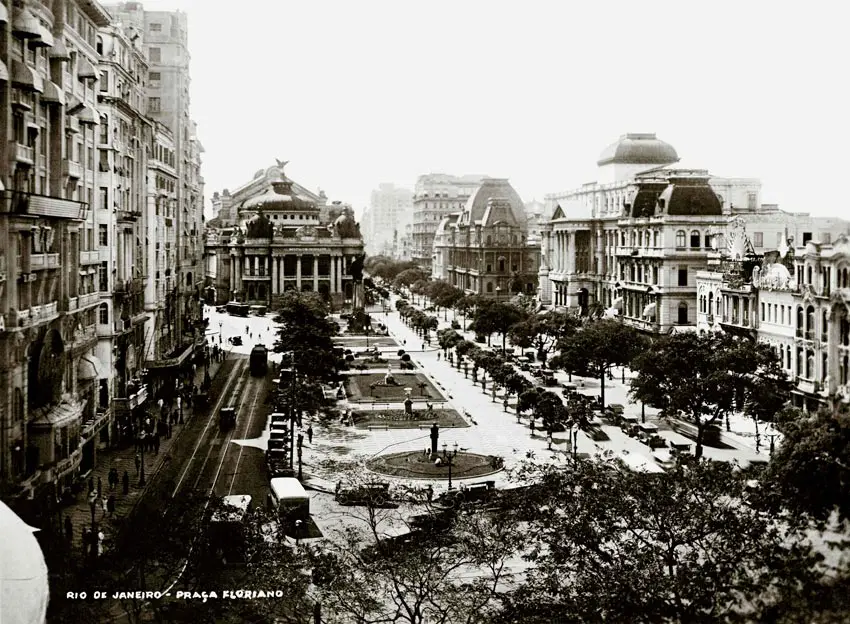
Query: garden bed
397,419
417,465
360,388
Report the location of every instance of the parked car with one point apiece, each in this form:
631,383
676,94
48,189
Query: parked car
376,493
473,493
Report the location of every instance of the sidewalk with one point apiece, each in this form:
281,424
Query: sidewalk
123,459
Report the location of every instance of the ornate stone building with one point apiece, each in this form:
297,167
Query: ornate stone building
268,237
484,249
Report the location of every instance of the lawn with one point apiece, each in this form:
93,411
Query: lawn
359,387
397,419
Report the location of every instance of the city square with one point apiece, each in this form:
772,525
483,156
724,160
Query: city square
331,313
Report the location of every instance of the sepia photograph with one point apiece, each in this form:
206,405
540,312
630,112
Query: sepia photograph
404,312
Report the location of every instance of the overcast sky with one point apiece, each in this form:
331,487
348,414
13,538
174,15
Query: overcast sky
355,93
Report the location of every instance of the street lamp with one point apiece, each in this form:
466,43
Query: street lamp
449,457
498,292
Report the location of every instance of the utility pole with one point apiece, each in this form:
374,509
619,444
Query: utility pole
292,414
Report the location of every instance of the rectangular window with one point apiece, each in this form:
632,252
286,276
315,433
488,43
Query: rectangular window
807,236
154,104
155,55
103,235
762,312
758,239
826,238
752,200
104,197
779,240
154,76
683,277
156,27
103,277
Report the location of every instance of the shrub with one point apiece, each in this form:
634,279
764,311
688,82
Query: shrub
455,325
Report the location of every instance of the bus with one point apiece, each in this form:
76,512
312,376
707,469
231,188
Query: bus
259,361
236,308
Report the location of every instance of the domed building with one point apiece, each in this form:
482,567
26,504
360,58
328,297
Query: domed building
631,242
485,248
272,235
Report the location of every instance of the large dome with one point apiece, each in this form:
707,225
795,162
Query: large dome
23,574
638,149
493,189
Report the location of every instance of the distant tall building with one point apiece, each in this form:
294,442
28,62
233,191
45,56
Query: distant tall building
436,196
390,208
165,39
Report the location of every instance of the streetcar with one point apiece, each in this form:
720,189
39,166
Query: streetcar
259,360
235,308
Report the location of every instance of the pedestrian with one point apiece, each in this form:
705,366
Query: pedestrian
246,329
110,504
310,433
104,505
99,544
86,540
99,486
92,505
126,482
180,405
69,530
438,356
113,478
91,485
138,465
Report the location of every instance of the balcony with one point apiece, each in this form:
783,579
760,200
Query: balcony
84,339
21,153
44,313
88,300
37,262
73,304
90,257
807,386
52,260
92,425
72,169
18,318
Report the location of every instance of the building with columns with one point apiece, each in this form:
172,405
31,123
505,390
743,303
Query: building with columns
484,249
268,238
633,241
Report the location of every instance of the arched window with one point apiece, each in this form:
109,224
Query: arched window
680,238
188,279
800,321
824,333
103,314
501,264
810,322
808,275
489,287
683,313
711,303
810,364
99,45
655,238
707,241
489,239
801,367
640,238
695,238
788,357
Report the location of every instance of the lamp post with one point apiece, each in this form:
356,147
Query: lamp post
498,292
449,456
142,463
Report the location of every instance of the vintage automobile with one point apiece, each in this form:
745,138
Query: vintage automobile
227,418
466,494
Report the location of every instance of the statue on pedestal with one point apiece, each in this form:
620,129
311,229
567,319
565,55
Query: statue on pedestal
435,438
389,380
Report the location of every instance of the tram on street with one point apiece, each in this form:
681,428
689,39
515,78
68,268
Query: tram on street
236,308
259,361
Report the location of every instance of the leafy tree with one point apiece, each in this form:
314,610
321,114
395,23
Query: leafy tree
307,333
597,347
815,449
448,339
543,332
701,376
408,277
496,317
611,545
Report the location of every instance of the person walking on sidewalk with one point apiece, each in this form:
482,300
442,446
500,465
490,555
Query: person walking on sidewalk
92,505
110,505
138,464
125,482
113,478
99,486
180,409
310,434
104,506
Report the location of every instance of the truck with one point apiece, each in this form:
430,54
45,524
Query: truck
290,501
226,530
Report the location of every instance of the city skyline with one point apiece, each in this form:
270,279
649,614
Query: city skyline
533,95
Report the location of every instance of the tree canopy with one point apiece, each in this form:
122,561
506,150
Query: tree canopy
307,333
704,377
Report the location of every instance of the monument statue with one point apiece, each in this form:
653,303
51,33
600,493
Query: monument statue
389,380
435,438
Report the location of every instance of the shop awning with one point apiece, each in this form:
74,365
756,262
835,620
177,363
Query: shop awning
88,115
26,77
85,70
59,415
90,367
44,39
59,50
649,311
52,94
174,362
